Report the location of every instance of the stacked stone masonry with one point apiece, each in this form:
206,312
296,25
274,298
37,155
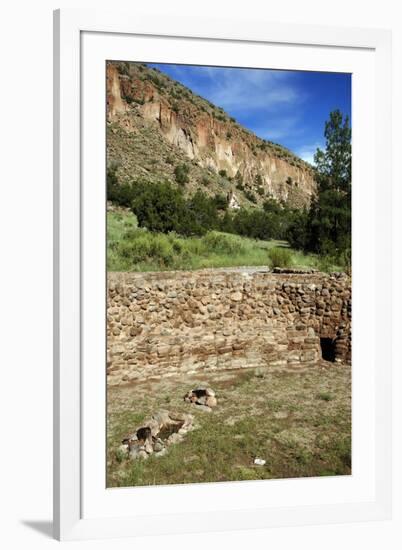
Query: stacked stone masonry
162,324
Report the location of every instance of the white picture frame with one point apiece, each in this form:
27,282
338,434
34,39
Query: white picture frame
83,507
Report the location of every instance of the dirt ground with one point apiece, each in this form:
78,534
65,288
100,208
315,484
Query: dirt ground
298,422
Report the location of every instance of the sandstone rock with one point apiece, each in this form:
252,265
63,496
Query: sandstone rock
211,401
174,438
148,447
236,296
158,446
163,351
160,453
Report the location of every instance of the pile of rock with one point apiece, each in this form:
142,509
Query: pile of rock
202,397
156,434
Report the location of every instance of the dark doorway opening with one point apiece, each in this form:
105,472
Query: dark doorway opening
328,349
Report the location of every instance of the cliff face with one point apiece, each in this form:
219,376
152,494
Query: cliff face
154,123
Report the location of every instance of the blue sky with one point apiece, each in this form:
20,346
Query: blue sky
288,107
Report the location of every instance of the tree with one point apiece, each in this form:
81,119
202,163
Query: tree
202,214
334,165
119,193
330,215
162,208
159,207
298,230
326,228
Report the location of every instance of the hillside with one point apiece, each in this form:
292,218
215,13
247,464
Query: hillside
156,127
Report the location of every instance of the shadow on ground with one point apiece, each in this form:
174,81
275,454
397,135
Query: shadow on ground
40,526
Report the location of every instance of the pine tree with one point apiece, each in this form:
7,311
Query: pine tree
334,165
326,228
330,214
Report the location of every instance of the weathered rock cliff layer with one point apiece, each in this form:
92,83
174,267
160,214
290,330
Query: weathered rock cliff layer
154,123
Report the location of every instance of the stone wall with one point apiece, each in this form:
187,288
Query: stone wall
160,324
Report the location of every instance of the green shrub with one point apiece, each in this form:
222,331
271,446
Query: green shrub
250,196
220,201
195,247
177,243
124,68
239,179
181,173
280,257
325,263
136,250
223,173
223,243
157,81
162,249
148,247
111,175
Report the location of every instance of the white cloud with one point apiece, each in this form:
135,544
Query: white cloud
277,128
307,152
251,89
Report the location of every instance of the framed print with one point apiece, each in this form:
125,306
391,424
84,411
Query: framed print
222,275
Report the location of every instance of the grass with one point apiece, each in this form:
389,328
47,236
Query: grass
130,248
280,257
260,414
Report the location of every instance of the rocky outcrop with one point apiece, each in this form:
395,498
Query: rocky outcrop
206,135
114,101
